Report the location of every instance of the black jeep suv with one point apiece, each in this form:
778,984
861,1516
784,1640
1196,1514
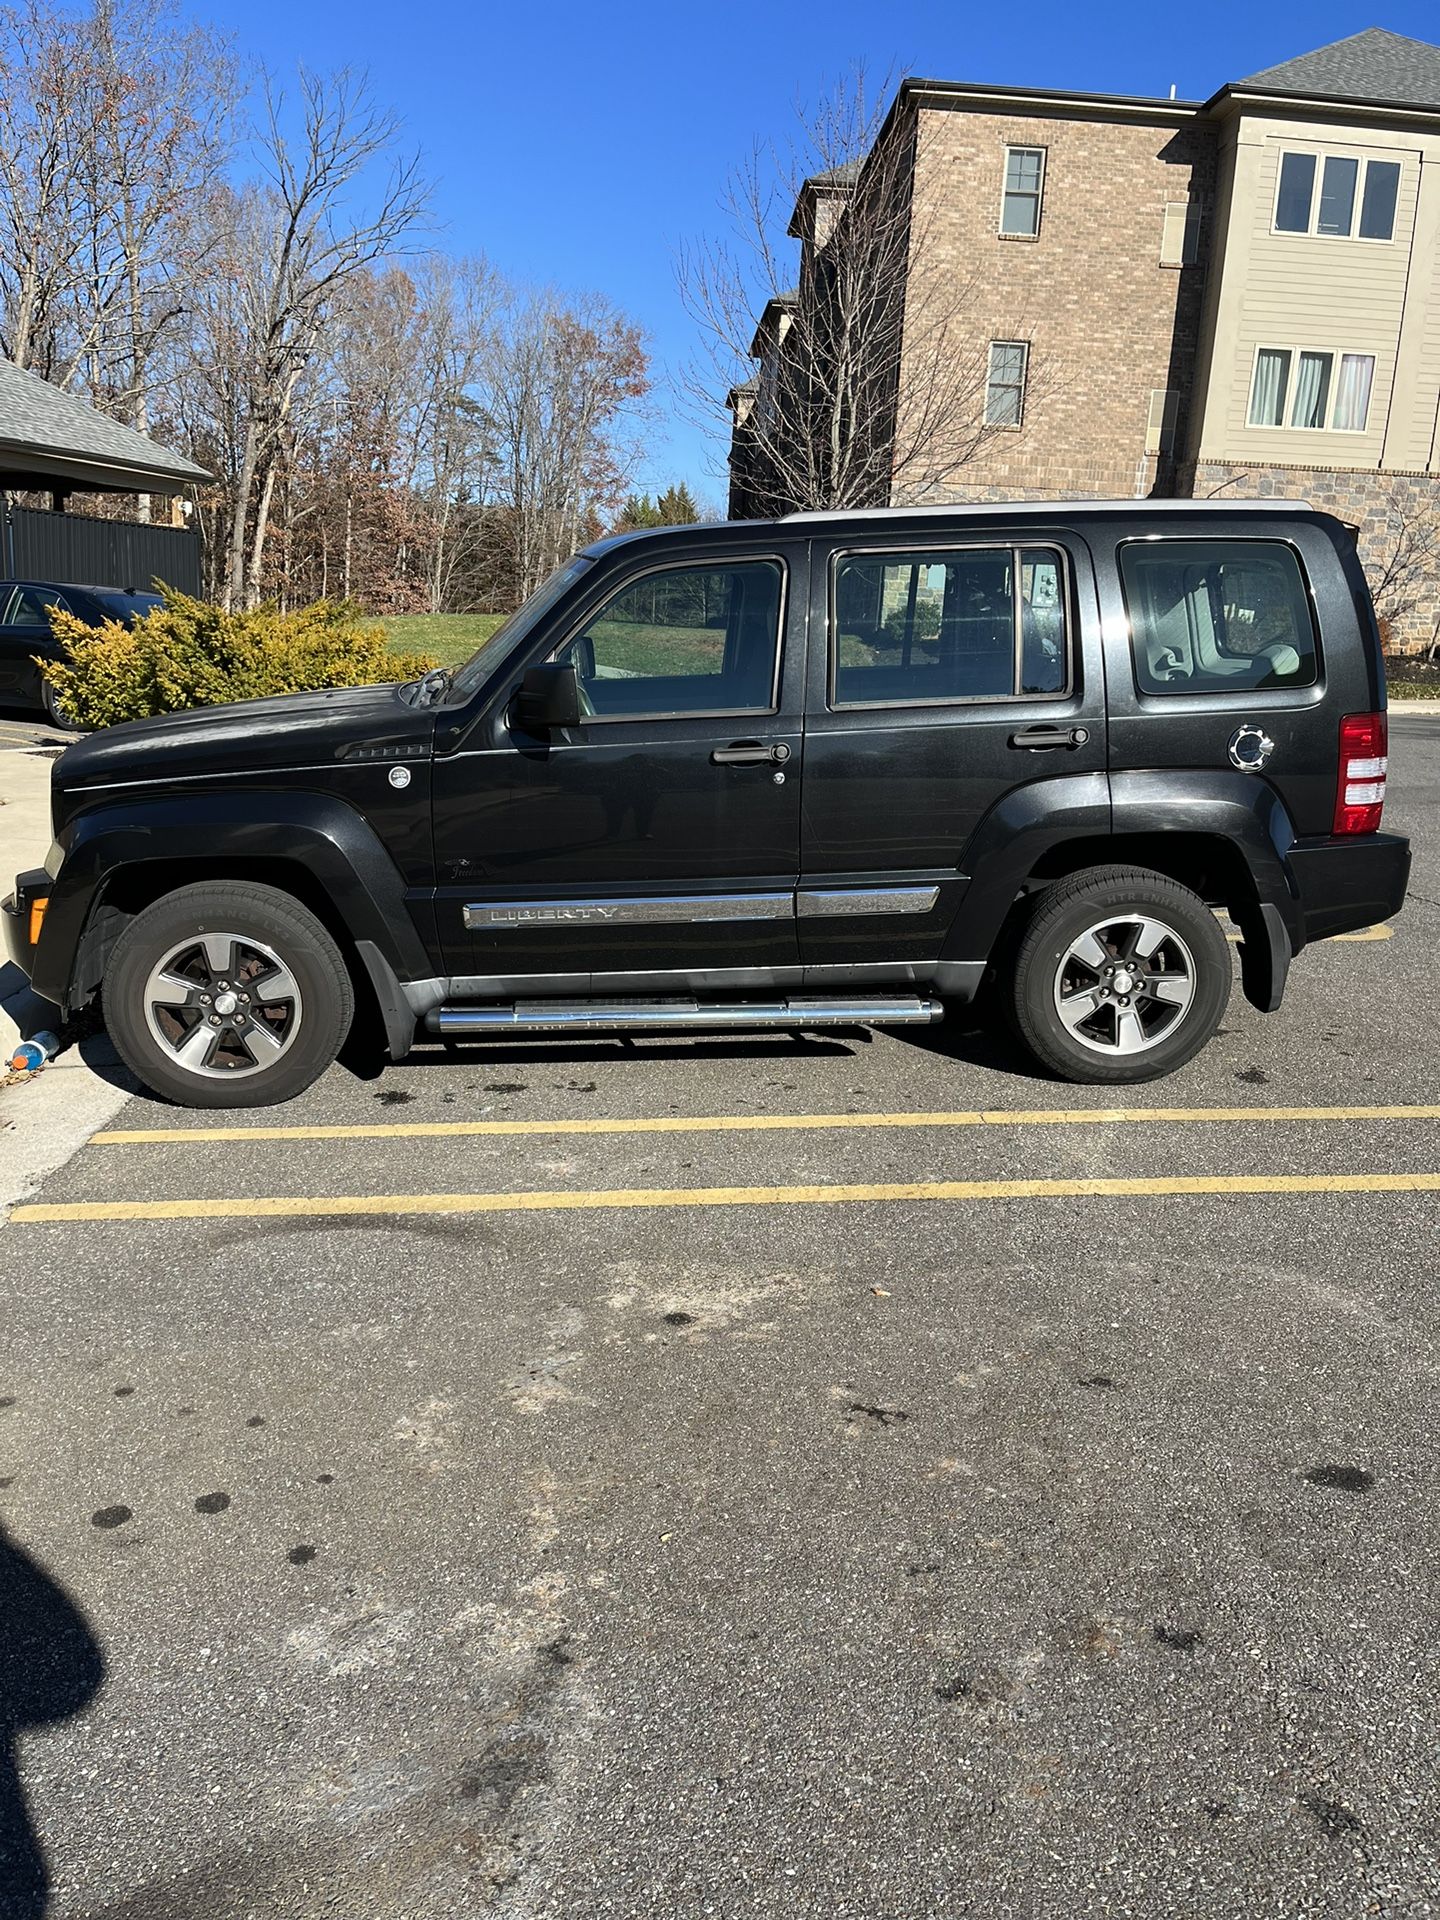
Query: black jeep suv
829,769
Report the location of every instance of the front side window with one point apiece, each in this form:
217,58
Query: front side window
1005,388
1332,211
1024,188
1217,616
915,628
683,640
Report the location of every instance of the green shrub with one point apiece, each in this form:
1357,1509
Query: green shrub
186,653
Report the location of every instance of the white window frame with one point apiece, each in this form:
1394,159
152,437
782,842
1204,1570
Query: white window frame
1007,426
1038,196
1311,232
1337,354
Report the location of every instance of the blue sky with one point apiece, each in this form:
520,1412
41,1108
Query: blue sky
579,146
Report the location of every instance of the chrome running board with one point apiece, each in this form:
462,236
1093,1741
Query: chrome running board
627,1015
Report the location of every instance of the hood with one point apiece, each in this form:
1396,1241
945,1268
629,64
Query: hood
291,730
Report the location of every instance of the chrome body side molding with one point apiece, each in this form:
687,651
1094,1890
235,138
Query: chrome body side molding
813,903
696,909
643,910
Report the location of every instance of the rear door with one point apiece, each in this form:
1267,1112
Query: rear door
951,672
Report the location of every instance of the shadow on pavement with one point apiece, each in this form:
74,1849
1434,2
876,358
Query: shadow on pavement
50,1667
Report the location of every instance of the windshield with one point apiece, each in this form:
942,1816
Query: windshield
124,606
478,668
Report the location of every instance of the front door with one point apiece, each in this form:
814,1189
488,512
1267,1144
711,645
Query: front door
660,837
954,672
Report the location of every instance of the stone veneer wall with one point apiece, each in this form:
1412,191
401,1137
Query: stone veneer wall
1366,500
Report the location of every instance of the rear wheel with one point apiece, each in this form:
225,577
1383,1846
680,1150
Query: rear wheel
227,996
1122,976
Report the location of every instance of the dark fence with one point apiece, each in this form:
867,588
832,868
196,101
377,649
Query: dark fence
99,553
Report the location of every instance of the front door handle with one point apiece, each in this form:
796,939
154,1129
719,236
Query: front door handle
751,754
1038,739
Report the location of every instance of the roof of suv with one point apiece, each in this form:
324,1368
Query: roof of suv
965,512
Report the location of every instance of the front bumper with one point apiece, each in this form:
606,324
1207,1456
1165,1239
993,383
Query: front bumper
15,911
1346,882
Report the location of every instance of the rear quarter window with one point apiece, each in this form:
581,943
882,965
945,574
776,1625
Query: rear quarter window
1218,616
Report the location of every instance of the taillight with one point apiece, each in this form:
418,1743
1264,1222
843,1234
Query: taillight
1364,759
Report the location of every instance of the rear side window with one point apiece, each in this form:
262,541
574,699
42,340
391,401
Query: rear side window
915,628
1218,616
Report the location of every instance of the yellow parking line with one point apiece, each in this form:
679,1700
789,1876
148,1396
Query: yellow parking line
306,1206
1365,933
765,1123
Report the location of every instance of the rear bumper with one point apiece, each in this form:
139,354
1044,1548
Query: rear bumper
15,913
1343,883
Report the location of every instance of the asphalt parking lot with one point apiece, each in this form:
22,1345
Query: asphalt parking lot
843,1476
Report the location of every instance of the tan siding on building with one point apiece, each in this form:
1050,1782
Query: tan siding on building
1415,429
1313,291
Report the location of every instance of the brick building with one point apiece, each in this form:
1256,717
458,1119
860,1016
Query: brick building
1164,296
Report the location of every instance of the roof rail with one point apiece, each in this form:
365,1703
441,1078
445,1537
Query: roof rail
1005,509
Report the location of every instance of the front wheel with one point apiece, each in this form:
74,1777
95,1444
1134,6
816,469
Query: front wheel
227,995
54,709
1123,975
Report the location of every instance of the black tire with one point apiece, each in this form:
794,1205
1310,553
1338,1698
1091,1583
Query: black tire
54,711
303,1019
1047,967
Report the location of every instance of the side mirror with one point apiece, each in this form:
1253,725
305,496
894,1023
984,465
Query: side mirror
549,697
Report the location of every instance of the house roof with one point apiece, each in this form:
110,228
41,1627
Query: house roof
1375,66
845,175
48,436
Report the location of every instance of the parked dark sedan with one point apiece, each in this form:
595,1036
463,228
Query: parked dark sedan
25,632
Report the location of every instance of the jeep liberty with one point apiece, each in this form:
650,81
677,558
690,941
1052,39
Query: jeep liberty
831,769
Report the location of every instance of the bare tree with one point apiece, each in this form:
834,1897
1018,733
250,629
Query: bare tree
48,89
561,382
167,99
873,366
1404,568
300,244
449,445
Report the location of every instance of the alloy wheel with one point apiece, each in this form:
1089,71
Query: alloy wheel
1125,984
223,1004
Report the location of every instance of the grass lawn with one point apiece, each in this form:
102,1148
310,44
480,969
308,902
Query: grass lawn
448,638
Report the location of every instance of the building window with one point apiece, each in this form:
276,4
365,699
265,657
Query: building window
1005,389
1269,387
1377,206
1331,212
1337,196
1024,187
1352,392
1299,388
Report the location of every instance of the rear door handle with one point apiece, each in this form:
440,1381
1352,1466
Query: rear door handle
751,754
1038,739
